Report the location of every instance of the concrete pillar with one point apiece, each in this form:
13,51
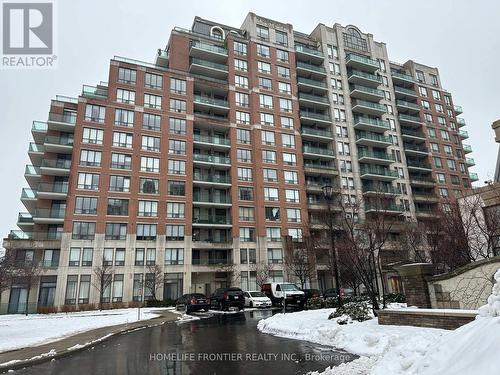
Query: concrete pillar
413,276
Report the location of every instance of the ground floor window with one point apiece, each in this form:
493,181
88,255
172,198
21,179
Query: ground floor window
248,280
173,285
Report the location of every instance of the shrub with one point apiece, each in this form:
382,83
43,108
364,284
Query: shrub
315,303
395,297
358,311
164,303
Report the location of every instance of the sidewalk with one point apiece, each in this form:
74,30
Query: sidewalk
29,356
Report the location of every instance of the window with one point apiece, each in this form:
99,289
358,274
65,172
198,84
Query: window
175,210
89,158
434,80
295,233
265,83
285,88
242,100
263,67
422,90
286,122
122,139
267,119
117,207
177,188
240,65
353,39
448,149
151,122
148,185
443,192
288,140
268,138
291,177
270,175
240,81
243,136
177,105
148,208
245,193
146,232
441,178
92,136
292,195
153,81
139,257
274,256
428,117
121,161
431,132
152,101
270,194
420,76
247,234
174,256
445,135
438,162
116,231
177,126
84,289
283,72
425,104
345,166
86,205
272,213
244,174
176,147
74,257
108,257
119,183
285,105
83,230
177,86
149,143
289,159
293,215
150,257
339,114
240,48
88,181
262,32
274,234
242,117
439,108
175,232
125,96
127,76
120,257
94,113
343,148
88,253
452,166
71,287
176,166
268,156
248,256
117,288
281,38
282,55
333,52
436,95
441,121
124,117
263,51
244,155
246,214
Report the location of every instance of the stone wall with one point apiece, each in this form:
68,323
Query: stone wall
430,318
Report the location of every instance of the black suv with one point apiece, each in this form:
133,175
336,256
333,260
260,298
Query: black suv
224,298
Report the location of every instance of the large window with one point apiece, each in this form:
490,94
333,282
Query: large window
247,234
175,210
177,126
262,32
177,86
124,117
117,207
174,256
177,105
83,230
92,136
122,139
152,101
116,231
175,232
125,96
240,48
127,76
270,175
150,143
270,194
151,122
176,147
88,181
86,205
273,234
148,208
121,161
177,188
119,183
148,185
90,158
95,113
149,164
176,166
153,81
146,232
353,39
281,38
274,256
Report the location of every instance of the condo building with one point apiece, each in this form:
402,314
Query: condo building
207,161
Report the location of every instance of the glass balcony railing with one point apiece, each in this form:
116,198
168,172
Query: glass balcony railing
314,98
402,76
58,187
367,90
375,170
413,133
31,170
365,103
315,68
461,121
458,109
35,147
320,166
309,51
49,213
39,126
316,116
375,155
403,103
381,188
49,263
361,120
212,159
409,118
311,82
412,147
28,193
418,164
208,64
212,178
464,134
467,148
209,47
211,139
362,59
421,179
384,207
68,118
211,101
211,262
215,219
207,198
56,163
24,217
371,77
318,132
95,92
61,141
27,235
373,137
470,162
318,150
404,91
473,176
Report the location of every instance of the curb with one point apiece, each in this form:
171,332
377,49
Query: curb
46,357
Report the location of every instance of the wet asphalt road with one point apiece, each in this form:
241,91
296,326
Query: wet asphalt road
189,348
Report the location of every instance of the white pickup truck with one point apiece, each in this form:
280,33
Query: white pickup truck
288,292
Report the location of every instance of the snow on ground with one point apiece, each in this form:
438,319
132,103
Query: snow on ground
18,331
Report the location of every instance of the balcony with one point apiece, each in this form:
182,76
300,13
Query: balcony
95,92
309,53
320,152
463,134
25,221
48,216
404,93
460,122
419,180
32,175
211,180
467,149
58,190
473,176
56,167
313,117
35,153
409,120
367,108
60,145
311,69
404,106
162,57
415,149
424,197
370,124
380,189
425,212
314,100
206,51
310,133
382,158
373,172
418,165
413,135
214,142
62,121
372,139
29,198
384,208
470,162
39,131
312,83
318,169
210,200
401,78
314,186
458,110
208,69
362,62
365,79
214,105
368,93
212,160
215,221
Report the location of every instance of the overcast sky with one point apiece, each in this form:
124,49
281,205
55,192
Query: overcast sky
461,38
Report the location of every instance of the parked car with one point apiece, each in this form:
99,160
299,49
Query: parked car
330,293
224,298
256,299
277,292
311,293
193,302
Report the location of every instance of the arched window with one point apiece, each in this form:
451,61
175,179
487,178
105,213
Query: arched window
353,39
217,33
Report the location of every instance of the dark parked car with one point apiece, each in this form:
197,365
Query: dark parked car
330,293
193,302
224,298
311,293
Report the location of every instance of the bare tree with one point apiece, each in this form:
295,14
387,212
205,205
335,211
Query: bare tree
103,278
26,272
299,259
231,271
262,272
6,268
154,280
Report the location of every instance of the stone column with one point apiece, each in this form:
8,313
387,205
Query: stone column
415,286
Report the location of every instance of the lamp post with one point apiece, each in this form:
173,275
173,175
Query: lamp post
328,193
